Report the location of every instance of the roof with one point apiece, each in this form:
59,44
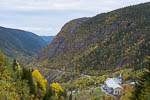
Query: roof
110,82
117,80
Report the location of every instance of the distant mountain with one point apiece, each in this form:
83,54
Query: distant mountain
20,44
47,39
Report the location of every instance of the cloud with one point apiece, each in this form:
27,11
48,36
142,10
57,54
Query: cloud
89,5
41,31
46,17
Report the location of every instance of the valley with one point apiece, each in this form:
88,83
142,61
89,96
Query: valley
21,45
106,41
104,57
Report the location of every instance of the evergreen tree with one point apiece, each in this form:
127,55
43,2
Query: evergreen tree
70,97
65,93
23,73
27,75
142,87
1,63
31,84
148,96
1,59
75,98
6,61
14,64
49,93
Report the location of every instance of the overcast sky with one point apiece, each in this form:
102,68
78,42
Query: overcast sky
46,17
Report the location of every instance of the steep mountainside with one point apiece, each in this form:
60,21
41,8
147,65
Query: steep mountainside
47,39
108,41
19,44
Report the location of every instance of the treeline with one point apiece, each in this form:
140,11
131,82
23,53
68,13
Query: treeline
26,84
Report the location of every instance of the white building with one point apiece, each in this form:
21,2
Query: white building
112,85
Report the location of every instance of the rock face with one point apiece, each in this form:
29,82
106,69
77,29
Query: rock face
62,41
105,41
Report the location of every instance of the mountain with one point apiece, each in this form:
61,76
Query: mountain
47,39
20,44
103,43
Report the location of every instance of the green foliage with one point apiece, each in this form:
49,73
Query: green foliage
142,87
70,97
49,93
17,44
2,68
27,75
103,43
14,64
38,80
55,92
91,94
18,83
1,59
128,89
12,87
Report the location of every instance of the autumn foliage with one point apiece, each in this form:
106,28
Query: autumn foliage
22,83
38,79
56,87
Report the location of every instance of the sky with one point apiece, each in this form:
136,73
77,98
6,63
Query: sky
46,17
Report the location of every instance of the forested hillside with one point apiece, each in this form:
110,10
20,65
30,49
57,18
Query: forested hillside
22,83
105,42
20,44
85,53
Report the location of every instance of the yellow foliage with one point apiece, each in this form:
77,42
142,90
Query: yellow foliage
18,66
38,78
127,92
57,87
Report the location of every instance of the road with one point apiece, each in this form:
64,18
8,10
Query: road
49,80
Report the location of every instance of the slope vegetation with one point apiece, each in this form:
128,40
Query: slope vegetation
19,44
105,42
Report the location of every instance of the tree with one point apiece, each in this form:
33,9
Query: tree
75,98
6,61
57,89
18,69
1,59
39,84
65,93
38,78
1,63
49,93
142,87
70,97
14,64
27,75
24,73
30,80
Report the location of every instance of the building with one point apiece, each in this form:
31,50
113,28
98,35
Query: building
112,86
